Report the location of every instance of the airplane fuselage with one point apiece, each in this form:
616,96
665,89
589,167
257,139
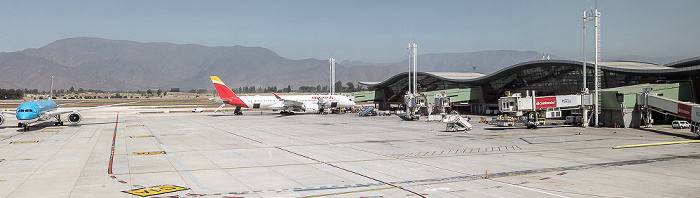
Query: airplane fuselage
34,109
271,102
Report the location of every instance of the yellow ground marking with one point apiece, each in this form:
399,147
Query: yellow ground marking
46,131
155,190
130,120
356,191
149,153
1,160
134,125
2,180
656,144
141,136
500,135
21,142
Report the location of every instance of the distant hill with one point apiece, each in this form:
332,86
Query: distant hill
94,63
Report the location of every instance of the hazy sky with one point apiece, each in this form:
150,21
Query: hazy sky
374,31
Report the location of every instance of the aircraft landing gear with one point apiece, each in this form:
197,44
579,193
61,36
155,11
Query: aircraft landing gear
58,121
237,111
25,126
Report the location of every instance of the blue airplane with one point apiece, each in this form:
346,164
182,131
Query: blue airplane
45,110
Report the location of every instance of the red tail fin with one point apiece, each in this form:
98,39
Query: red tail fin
226,93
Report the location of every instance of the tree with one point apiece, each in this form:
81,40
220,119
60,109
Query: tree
289,88
339,86
159,92
351,87
71,90
149,92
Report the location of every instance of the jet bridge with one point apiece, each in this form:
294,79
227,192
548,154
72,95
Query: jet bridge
648,102
532,110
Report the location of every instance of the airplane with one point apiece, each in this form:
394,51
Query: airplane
288,104
45,110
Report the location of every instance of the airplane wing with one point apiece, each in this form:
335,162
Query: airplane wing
69,103
293,103
50,113
219,100
7,112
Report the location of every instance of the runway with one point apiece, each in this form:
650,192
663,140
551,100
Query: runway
143,152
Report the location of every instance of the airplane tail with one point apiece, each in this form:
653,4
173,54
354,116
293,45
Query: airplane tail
51,91
226,93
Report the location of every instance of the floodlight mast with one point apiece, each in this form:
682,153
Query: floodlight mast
410,82
415,70
593,15
331,88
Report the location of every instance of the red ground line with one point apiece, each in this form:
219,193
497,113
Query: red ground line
114,139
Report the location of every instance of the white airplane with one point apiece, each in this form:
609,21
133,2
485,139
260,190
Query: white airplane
288,104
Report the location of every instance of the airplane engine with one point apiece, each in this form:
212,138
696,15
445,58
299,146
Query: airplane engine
310,108
2,119
75,117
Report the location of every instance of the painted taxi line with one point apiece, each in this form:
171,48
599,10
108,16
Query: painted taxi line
47,131
22,142
149,153
155,190
140,136
136,125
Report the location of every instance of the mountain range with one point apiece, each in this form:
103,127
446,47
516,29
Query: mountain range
103,64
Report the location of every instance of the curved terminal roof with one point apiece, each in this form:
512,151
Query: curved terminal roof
695,61
682,67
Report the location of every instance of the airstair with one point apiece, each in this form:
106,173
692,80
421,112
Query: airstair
367,111
458,124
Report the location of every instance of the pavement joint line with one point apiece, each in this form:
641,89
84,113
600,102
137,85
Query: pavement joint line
11,136
338,167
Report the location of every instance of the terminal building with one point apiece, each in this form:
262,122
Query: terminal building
477,93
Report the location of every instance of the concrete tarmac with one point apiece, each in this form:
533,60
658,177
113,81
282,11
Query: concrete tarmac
143,152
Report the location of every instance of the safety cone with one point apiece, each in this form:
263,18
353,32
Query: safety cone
487,173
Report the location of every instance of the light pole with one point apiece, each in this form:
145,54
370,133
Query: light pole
410,82
415,71
412,78
592,16
331,87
